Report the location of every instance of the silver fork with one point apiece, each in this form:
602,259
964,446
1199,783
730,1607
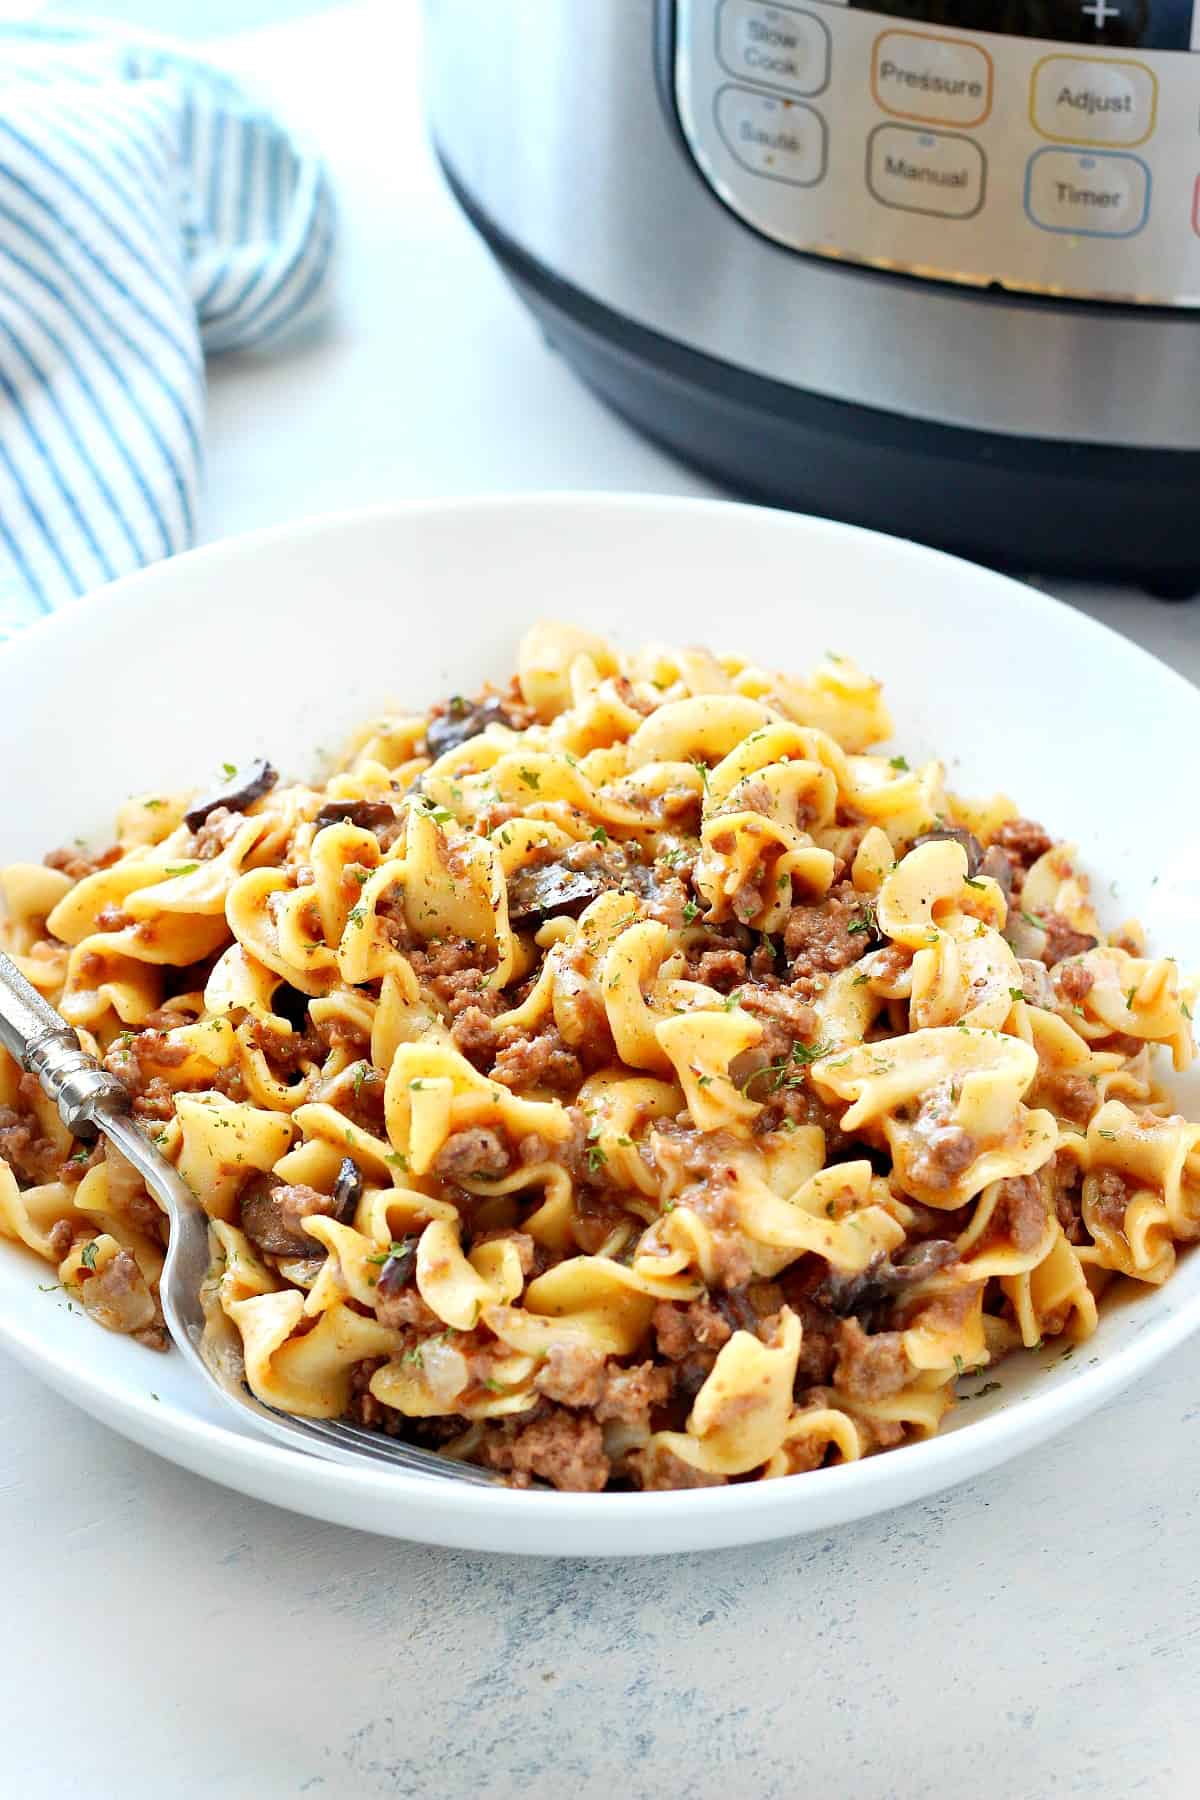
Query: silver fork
89,1099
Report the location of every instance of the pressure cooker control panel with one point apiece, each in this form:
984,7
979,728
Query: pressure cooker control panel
1051,146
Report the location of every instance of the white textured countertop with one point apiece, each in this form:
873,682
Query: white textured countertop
1034,1634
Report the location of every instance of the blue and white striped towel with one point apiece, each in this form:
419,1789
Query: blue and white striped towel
149,213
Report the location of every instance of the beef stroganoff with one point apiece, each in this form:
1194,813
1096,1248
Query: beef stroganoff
622,1078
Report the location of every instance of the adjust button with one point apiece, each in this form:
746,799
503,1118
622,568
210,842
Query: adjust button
781,139
1076,101
1094,193
776,45
925,171
941,81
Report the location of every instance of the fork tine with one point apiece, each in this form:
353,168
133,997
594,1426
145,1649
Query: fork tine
358,1442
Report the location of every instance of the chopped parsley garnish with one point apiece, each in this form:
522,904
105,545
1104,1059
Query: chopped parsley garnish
530,778
87,1255
153,805
702,770
1016,993
181,868
787,1072
898,762
860,980
691,911
361,1074
864,923
599,836
732,1000
596,1158
1129,999
355,916
228,770
1030,920
971,881
397,1160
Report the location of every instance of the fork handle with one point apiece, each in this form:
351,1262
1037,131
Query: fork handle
44,1044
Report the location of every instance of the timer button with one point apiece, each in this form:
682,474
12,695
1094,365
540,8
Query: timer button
940,81
784,140
1096,193
778,46
1078,101
925,171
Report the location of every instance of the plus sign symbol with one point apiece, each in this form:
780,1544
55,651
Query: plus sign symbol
1100,11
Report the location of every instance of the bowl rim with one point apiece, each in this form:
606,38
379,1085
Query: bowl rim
929,1463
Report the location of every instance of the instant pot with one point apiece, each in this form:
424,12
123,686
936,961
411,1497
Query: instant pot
931,266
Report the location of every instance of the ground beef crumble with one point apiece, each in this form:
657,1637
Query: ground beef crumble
870,1368
1023,841
1062,940
820,940
1019,1214
562,1447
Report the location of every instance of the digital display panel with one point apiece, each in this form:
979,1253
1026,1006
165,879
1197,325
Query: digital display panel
1146,24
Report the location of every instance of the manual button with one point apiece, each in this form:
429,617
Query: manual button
781,139
776,45
925,171
1076,101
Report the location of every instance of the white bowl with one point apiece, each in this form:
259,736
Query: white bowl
279,643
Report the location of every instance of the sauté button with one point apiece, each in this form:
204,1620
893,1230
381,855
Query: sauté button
925,171
779,46
942,81
785,140
1076,101
1096,193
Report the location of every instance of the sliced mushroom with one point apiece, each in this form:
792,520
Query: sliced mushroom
239,792
550,890
347,1190
958,835
998,864
883,1279
368,815
397,1269
462,719
272,1212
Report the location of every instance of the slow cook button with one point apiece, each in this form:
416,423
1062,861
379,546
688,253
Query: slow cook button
781,139
777,45
1081,102
942,81
925,171
1087,193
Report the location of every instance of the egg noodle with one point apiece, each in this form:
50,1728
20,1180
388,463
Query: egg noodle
624,1078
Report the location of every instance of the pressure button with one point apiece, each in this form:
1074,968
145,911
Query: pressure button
939,81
